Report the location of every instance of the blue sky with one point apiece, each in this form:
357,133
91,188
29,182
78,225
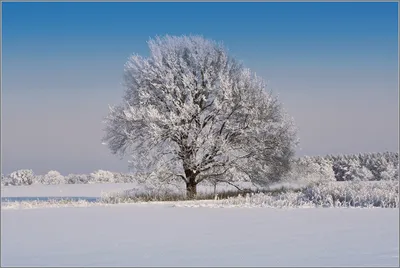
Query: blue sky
334,66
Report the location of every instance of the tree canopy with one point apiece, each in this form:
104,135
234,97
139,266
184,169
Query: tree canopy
192,112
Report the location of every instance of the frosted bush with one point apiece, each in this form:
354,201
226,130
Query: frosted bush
357,194
6,180
76,179
308,171
390,173
101,176
147,193
383,166
38,179
358,173
20,177
53,177
383,194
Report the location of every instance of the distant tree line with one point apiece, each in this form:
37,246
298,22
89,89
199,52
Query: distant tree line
27,177
365,166
351,167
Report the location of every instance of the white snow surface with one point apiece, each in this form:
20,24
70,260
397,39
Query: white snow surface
162,235
173,234
64,190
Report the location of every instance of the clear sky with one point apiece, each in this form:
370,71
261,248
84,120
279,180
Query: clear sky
334,66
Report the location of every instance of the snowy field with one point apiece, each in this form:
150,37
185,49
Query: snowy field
161,235
166,234
64,190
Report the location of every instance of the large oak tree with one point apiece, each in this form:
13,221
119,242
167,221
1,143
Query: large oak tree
190,111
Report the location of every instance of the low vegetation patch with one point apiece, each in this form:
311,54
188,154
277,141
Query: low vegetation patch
383,194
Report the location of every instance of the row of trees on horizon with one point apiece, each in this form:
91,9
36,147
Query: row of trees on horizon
349,167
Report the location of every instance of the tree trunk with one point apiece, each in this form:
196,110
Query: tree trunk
191,190
191,185
215,190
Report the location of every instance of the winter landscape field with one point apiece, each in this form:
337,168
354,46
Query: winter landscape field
190,233
74,225
199,134
164,235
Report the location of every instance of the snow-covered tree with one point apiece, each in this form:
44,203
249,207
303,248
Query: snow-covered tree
53,177
76,179
5,180
196,112
359,173
21,177
366,166
124,177
101,176
311,170
391,172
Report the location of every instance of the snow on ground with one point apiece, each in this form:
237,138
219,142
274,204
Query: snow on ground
64,190
162,235
170,234
39,195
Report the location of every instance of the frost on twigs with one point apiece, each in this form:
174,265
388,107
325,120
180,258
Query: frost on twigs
196,112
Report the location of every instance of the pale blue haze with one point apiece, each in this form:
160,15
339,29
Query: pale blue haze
334,65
